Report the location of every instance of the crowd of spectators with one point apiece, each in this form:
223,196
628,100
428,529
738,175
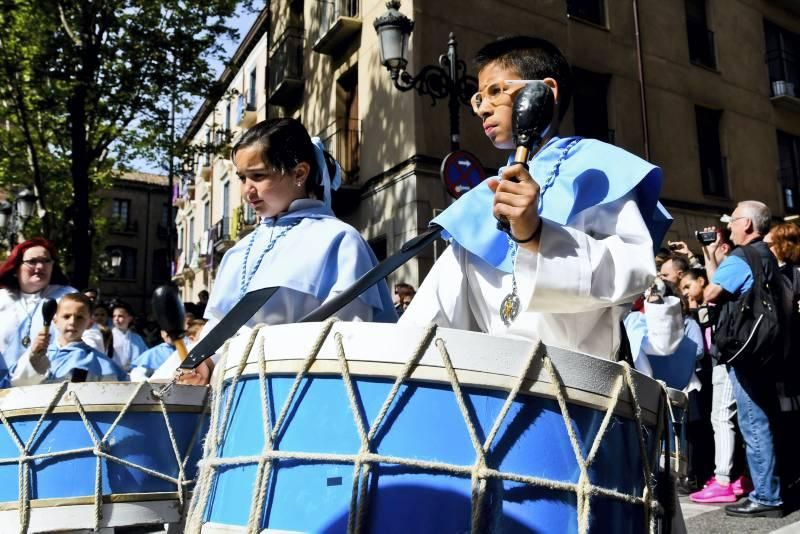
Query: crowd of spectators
738,406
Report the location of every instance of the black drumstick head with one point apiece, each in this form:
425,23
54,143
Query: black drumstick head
531,114
49,307
169,312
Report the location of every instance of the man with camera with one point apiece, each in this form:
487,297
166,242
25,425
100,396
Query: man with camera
745,286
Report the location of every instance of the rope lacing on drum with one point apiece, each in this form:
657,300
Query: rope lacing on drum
363,461
100,449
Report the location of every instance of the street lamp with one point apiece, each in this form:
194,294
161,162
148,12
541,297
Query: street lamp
447,80
13,215
116,261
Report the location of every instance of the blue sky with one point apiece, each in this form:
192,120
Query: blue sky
242,22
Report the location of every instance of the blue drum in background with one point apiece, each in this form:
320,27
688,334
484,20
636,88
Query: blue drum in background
142,488
309,474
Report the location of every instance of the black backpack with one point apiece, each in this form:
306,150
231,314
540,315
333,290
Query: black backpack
749,332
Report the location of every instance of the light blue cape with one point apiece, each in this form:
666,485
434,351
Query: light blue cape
332,256
592,174
152,359
79,355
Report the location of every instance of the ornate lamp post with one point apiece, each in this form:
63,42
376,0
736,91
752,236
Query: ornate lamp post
449,79
14,214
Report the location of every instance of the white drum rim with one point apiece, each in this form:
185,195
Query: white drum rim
100,397
588,380
117,514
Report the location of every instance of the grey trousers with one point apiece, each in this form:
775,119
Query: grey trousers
723,412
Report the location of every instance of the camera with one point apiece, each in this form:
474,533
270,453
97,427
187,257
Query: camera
706,238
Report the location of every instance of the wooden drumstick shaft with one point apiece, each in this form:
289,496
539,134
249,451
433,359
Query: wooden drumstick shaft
181,348
521,155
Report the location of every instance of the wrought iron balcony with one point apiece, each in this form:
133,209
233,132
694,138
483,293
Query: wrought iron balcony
245,110
342,138
221,235
286,69
339,23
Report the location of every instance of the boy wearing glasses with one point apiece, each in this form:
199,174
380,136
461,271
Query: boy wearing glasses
579,243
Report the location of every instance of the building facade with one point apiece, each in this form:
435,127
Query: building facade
135,259
706,89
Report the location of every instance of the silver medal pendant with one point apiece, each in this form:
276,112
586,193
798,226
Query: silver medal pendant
509,309
26,341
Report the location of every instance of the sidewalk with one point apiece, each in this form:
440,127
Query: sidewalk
711,519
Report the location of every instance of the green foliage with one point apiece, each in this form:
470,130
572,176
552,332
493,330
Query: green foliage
85,87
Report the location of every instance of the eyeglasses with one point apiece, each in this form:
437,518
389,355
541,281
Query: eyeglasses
732,219
497,93
33,262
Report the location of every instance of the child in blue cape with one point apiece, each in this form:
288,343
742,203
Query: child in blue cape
56,363
147,362
583,219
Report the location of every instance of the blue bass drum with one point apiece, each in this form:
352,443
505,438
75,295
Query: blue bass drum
345,427
102,454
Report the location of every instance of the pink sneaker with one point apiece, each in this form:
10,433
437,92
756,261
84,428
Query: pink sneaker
742,486
714,493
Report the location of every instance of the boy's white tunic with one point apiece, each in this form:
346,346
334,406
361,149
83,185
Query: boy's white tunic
572,291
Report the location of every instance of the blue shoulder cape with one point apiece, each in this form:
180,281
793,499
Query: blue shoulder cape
153,358
81,356
592,173
327,257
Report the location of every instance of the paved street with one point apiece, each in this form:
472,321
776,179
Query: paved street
711,519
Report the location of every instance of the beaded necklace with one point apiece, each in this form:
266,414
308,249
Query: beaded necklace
509,307
248,277
28,321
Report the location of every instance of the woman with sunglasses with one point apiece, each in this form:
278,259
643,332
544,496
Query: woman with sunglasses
29,275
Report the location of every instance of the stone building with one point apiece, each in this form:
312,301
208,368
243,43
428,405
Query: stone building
707,89
135,259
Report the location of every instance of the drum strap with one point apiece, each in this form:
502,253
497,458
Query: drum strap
408,251
244,310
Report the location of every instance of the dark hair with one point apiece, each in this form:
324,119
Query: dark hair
533,59
694,274
284,144
122,304
8,271
404,290
679,261
80,298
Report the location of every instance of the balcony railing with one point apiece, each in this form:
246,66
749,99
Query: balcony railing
221,235
701,45
339,23
286,69
245,110
342,138
120,226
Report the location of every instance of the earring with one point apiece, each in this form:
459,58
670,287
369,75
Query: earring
299,184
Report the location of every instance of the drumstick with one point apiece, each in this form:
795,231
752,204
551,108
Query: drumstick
171,317
531,115
49,307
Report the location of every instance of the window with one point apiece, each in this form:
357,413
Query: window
712,164
251,90
228,117
593,11
701,39
789,158
226,199
121,211
207,149
783,60
206,215
591,105
190,245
